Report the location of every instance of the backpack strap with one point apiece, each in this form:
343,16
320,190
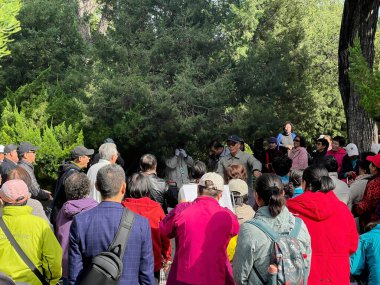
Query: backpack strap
265,228
297,228
120,240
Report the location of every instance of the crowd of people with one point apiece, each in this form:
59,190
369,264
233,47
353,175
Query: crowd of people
274,215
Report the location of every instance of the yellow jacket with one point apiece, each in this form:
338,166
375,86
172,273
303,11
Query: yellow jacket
36,239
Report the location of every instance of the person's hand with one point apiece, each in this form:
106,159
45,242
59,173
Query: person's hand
50,195
183,153
289,147
257,173
177,152
166,265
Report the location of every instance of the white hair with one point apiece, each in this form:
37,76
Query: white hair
107,150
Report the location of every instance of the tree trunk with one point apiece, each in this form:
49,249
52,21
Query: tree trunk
85,8
359,19
106,17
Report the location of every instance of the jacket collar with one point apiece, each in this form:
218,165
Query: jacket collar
110,204
238,155
16,210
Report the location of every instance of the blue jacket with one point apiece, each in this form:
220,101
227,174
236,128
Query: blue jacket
94,230
367,257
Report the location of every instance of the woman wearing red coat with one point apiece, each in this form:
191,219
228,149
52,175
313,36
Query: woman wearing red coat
140,203
331,226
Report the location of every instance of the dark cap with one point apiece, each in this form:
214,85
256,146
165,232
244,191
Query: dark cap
81,151
9,148
25,147
272,140
234,138
109,140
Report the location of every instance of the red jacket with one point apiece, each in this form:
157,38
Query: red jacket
154,213
333,236
338,155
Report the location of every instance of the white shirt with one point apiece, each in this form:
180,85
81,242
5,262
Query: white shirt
91,174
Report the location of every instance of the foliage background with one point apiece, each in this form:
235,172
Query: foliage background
155,74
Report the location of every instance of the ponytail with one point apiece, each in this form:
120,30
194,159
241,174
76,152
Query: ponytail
269,189
317,179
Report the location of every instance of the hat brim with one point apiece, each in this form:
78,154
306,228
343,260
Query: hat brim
372,158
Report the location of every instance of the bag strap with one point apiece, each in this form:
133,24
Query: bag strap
265,228
297,228
120,240
21,253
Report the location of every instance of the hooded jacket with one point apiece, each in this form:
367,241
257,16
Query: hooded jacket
338,155
154,213
333,235
36,239
64,220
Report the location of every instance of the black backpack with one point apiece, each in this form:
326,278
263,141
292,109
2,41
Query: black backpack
171,195
107,267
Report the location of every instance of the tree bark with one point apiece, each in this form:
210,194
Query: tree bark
359,19
85,8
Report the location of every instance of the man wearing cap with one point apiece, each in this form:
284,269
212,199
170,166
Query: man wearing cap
81,158
252,165
32,233
10,161
368,209
270,154
202,230
349,167
27,154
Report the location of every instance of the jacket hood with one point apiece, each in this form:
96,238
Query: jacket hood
66,165
317,206
142,205
74,207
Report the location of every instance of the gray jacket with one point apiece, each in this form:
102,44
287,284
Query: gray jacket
176,169
254,247
341,189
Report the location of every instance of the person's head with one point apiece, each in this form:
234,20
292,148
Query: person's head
14,193
234,144
330,163
81,155
27,152
299,141
10,152
2,152
269,192
108,151
22,174
281,165
322,145
374,167
352,151
215,147
77,186
148,162
198,170
211,184
272,143
363,163
287,127
235,171
239,189
138,186
338,142
316,178
110,182
296,177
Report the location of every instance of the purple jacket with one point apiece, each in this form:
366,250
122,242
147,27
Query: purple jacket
64,220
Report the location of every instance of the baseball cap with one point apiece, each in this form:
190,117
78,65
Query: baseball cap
375,148
212,180
375,160
14,192
352,149
26,147
272,140
9,148
81,151
238,185
1,148
234,138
